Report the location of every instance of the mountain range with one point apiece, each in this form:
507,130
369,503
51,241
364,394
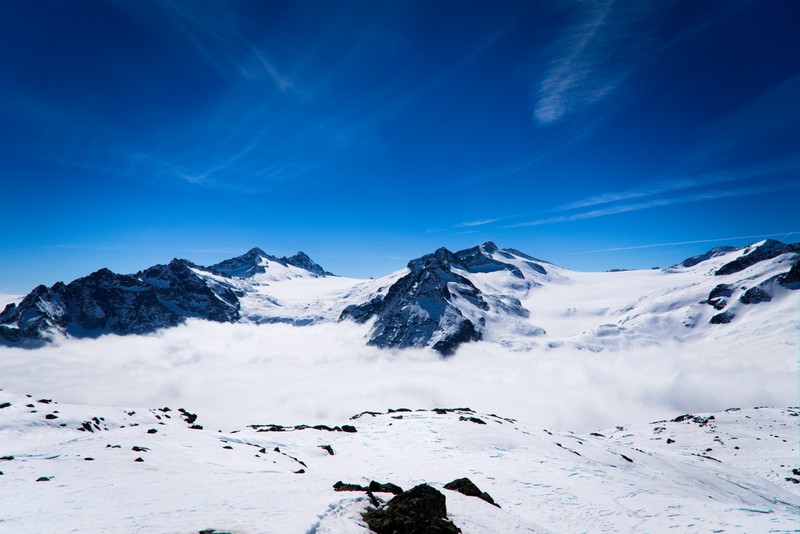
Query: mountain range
440,300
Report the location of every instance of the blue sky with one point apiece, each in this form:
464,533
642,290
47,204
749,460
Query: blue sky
369,133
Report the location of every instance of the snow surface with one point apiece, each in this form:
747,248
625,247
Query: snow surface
726,473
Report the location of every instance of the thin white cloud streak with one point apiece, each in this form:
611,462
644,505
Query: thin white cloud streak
594,57
660,202
775,114
483,222
678,243
214,31
327,141
498,173
790,164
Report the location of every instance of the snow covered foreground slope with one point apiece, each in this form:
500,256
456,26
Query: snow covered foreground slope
90,469
441,300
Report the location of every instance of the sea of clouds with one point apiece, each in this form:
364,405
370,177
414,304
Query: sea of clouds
238,374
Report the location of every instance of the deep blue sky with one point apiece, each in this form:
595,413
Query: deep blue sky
368,133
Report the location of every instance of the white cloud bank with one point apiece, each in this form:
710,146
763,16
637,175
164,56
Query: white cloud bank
233,375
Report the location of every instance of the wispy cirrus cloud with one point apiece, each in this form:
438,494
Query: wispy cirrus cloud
214,30
498,173
603,45
679,243
666,186
660,202
483,222
774,114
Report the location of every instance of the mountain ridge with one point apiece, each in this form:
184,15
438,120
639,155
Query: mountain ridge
439,300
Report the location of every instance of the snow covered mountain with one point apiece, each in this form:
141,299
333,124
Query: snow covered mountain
273,359
440,300
70,467
445,298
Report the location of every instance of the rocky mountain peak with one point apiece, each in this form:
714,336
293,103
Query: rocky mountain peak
489,247
256,261
441,259
303,261
246,265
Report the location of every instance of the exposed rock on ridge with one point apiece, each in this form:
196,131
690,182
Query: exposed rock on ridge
158,297
435,304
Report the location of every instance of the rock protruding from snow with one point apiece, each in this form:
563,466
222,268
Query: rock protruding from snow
158,297
255,261
302,261
438,304
419,309
765,251
420,509
713,253
792,278
467,487
106,302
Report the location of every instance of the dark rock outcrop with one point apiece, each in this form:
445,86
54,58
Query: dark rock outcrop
435,304
344,486
106,302
766,251
755,295
251,263
717,297
418,310
158,297
302,261
468,488
472,420
722,318
420,510
713,253
387,487
791,279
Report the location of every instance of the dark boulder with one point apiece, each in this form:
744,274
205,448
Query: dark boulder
792,278
755,295
388,487
344,486
717,297
472,420
722,318
722,290
420,510
468,488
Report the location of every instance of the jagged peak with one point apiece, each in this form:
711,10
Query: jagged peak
441,258
299,255
255,251
489,247
303,261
